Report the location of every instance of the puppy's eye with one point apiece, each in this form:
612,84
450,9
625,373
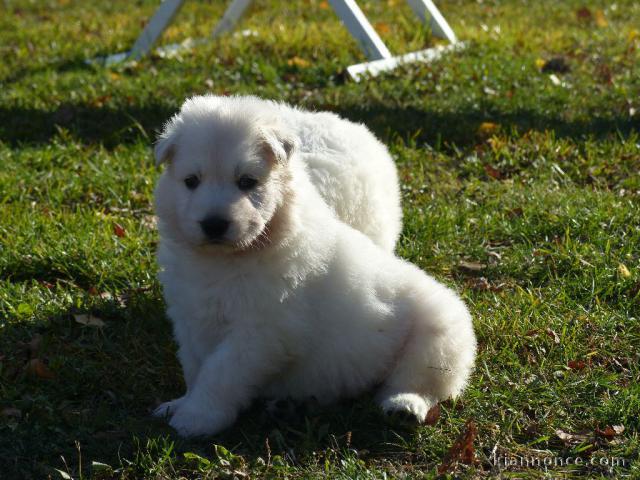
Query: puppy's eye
245,182
192,182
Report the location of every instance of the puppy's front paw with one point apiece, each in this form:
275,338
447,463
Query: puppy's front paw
191,419
409,407
166,409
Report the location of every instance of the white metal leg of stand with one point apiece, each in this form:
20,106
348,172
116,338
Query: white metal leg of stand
380,58
425,10
231,17
360,29
155,28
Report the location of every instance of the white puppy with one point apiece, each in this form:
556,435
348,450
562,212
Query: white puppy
272,295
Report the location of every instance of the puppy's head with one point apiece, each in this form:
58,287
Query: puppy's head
227,174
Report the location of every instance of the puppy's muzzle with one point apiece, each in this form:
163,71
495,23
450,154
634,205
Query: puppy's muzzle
215,227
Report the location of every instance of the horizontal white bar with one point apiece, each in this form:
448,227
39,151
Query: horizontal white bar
356,72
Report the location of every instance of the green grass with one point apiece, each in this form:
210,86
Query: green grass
536,182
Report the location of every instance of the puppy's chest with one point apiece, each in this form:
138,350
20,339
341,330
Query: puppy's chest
218,304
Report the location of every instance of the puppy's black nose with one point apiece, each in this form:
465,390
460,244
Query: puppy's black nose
214,227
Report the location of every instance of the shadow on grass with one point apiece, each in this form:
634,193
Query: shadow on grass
78,64
100,384
112,126
459,128
109,126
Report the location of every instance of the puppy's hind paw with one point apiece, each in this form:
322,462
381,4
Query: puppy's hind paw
405,407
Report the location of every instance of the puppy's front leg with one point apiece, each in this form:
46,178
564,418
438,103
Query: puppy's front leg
226,383
190,367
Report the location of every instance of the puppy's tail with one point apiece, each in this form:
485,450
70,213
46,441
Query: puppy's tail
438,356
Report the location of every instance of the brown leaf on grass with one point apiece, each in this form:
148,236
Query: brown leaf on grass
576,365
610,431
584,14
600,19
493,172
298,62
382,27
462,449
605,75
38,368
486,129
433,415
89,320
481,284
570,439
471,266
554,335
119,230
515,212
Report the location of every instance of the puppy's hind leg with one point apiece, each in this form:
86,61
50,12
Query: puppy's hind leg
437,358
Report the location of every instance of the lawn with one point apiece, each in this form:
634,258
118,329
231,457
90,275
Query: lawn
519,161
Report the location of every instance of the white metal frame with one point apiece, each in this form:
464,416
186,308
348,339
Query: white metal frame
380,58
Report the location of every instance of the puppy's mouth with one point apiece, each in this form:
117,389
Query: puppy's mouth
254,239
227,244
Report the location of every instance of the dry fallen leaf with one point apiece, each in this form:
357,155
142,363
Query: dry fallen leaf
554,335
572,438
119,230
610,431
298,62
382,27
624,271
89,320
576,365
471,266
39,369
584,14
486,129
493,172
462,449
480,284
433,415
600,19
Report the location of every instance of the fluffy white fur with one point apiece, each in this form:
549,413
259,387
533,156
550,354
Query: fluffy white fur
291,301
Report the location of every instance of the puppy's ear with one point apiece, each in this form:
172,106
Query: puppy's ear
165,147
164,150
277,144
